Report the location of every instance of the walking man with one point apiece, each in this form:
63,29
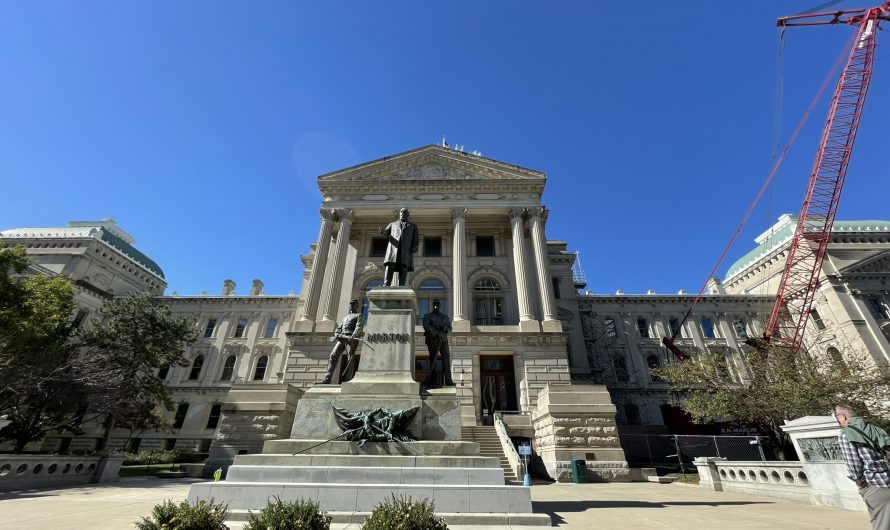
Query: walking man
346,336
862,446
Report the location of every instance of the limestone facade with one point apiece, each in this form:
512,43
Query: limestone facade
520,325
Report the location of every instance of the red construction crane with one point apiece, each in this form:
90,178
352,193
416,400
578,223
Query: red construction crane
800,279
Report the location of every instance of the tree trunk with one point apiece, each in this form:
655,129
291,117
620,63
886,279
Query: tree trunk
107,426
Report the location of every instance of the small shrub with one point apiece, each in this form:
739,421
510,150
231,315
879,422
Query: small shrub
401,513
150,457
300,515
202,515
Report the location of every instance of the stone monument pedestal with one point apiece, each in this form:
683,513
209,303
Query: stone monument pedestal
347,479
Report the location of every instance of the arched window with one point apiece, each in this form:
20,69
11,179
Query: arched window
431,289
228,369
260,372
653,362
368,286
488,303
195,372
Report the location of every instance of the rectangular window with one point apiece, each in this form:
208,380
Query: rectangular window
643,327
211,327
81,316
169,444
485,245
556,288
213,418
739,327
181,411
239,329
674,324
817,319
611,332
432,246
707,327
378,247
270,327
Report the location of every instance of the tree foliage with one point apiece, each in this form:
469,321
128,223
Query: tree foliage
776,384
118,359
54,376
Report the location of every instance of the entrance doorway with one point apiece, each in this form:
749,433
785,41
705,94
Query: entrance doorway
498,386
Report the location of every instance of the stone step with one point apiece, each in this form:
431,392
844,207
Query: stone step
260,459
473,499
367,475
464,521
428,448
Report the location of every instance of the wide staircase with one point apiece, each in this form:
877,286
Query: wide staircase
489,445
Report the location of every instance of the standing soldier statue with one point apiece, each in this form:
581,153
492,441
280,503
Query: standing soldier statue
436,327
346,336
403,240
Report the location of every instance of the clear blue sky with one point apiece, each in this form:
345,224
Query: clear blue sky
201,126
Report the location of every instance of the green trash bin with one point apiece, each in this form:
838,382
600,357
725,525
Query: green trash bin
579,471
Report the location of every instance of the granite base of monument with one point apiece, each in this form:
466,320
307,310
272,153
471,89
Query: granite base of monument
349,479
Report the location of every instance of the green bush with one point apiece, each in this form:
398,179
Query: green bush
202,515
401,513
162,457
300,515
149,457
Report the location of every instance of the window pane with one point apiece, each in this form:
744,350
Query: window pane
211,325
239,329
610,328
163,371
378,247
260,371
270,327
707,327
432,246
181,411
228,369
487,284
213,418
643,326
555,287
196,367
484,246
431,285
740,331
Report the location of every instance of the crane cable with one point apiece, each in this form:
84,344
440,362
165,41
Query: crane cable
763,188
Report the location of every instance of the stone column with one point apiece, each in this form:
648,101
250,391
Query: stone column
329,313
316,274
542,265
526,320
459,262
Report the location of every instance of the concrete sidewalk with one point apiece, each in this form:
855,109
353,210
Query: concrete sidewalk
571,506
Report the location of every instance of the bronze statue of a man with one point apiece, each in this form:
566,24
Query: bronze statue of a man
404,239
436,327
346,336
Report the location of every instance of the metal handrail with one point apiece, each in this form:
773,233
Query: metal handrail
508,447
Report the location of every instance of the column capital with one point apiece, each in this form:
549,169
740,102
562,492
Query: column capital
345,214
327,213
540,213
513,213
458,213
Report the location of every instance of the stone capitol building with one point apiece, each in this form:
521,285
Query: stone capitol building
566,370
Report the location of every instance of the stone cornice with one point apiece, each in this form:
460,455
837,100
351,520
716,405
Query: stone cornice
223,300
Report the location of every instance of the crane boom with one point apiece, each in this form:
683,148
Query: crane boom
800,279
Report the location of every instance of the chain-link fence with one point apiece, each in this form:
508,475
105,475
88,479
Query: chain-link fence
669,450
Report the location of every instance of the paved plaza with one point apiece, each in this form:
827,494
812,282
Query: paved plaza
571,506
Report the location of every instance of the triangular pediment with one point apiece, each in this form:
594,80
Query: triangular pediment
877,264
429,164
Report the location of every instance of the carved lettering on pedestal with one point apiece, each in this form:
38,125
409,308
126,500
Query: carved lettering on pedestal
387,338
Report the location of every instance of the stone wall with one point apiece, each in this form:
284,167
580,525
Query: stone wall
22,472
252,414
578,422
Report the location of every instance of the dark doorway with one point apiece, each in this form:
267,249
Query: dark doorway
498,386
